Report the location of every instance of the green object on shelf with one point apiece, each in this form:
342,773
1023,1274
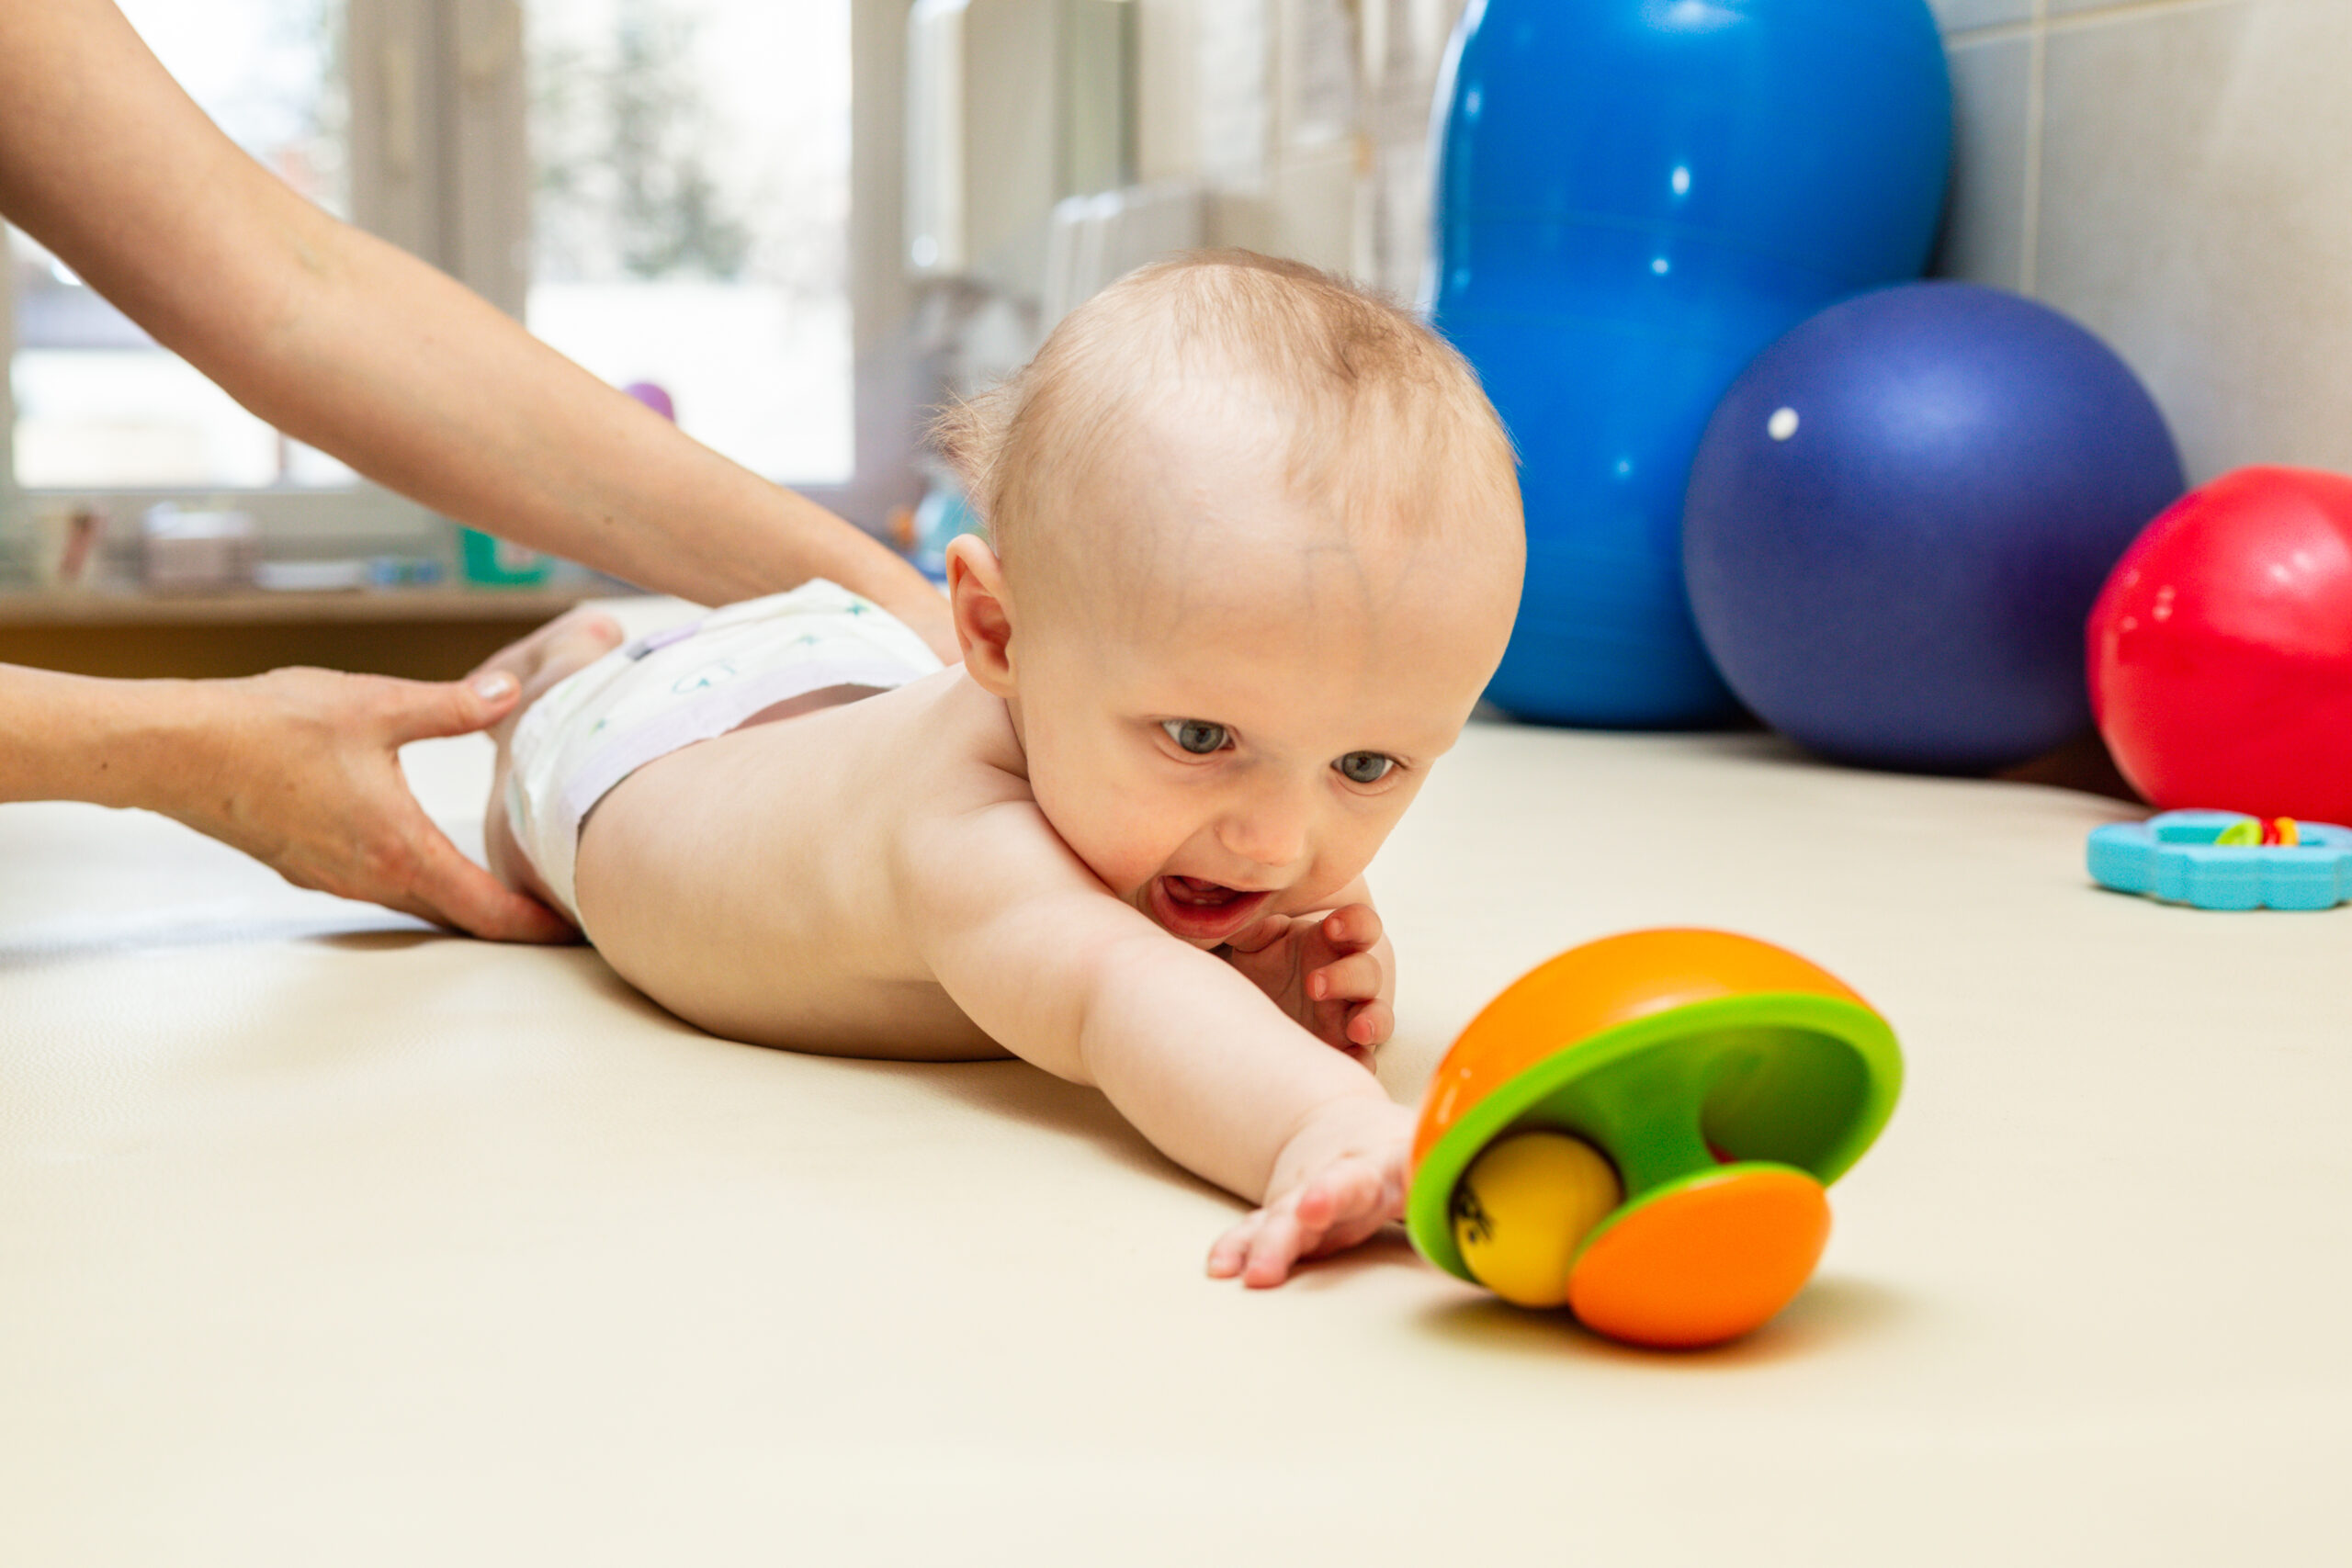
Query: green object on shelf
495,562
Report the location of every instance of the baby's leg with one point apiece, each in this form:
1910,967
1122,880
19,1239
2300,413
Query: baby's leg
570,643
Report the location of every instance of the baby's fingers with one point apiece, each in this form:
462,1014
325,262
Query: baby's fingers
1354,978
1259,934
1352,927
1231,1250
1260,1248
1371,1024
1281,1242
1334,1211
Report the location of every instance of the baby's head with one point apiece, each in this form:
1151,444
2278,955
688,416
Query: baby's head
1255,546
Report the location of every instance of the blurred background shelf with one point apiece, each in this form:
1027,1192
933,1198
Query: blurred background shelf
423,633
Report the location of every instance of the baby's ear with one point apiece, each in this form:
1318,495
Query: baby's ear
975,597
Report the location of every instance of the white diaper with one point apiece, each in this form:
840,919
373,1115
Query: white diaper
682,684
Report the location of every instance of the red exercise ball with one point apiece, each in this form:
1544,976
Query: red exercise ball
2220,649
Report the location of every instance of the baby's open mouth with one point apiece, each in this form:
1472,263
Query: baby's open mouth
1199,910
1201,895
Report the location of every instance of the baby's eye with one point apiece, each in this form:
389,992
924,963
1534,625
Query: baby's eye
1197,736
1364,767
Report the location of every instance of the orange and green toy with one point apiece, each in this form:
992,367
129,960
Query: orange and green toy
1641,1130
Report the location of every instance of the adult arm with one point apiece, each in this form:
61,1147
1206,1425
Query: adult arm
352,345
300,768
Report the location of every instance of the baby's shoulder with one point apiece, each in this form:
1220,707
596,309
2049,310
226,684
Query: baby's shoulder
949,744
961,784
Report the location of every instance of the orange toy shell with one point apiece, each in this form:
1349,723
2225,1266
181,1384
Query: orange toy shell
1599,986
1705,1261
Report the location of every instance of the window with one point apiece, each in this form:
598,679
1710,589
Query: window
660,188
99,405
690,203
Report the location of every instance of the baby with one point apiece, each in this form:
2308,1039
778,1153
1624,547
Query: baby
1254,549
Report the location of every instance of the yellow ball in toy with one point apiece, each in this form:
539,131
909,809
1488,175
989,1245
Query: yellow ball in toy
1524,1206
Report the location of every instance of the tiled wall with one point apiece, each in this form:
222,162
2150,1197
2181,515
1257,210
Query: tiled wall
2176,175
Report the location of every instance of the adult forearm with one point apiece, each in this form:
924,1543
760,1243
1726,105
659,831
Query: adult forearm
423,386
72,737
363,352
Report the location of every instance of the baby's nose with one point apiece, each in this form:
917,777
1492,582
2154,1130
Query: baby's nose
1272,833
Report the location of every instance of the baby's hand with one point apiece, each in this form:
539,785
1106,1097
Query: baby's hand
1337,1180
1323,972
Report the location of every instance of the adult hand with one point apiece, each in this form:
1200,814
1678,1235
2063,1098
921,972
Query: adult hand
924,611
300,769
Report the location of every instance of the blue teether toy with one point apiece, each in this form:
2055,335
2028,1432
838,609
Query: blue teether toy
2221,860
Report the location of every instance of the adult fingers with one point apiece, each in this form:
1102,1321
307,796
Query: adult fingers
452,890
573,643
421,710
519,674
923,611
526,654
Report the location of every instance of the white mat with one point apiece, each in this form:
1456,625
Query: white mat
325,1240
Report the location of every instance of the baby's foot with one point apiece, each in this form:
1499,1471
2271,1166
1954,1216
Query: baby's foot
570,643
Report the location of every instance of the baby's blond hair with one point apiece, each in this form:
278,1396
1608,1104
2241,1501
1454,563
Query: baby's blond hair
1381,418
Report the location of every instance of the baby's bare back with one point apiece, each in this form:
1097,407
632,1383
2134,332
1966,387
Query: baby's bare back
752,884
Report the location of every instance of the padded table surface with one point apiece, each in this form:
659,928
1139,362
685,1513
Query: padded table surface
325,1238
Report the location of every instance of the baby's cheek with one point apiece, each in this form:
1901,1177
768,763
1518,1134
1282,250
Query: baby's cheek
1123,859
1321,891
1083,814
1344,859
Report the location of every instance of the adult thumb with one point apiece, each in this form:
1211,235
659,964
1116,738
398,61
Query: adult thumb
453,707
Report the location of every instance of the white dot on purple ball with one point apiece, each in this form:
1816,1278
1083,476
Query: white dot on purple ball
1782,424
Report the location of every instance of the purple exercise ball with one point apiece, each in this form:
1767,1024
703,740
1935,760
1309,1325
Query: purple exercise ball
1900,515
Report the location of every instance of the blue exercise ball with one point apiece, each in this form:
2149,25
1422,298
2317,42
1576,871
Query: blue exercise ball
1901,514
1810,134
1634,197
1604,634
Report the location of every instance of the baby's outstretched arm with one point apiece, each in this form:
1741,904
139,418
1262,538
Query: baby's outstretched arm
1338,1182
1193,1053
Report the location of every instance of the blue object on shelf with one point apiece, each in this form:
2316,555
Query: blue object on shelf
2173,856
940,516
1899,518
1635,196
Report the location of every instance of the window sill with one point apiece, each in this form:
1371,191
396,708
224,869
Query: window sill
433,634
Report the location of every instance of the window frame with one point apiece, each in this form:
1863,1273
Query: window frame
439,165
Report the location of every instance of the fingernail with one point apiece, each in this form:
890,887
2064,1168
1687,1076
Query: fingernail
494,686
